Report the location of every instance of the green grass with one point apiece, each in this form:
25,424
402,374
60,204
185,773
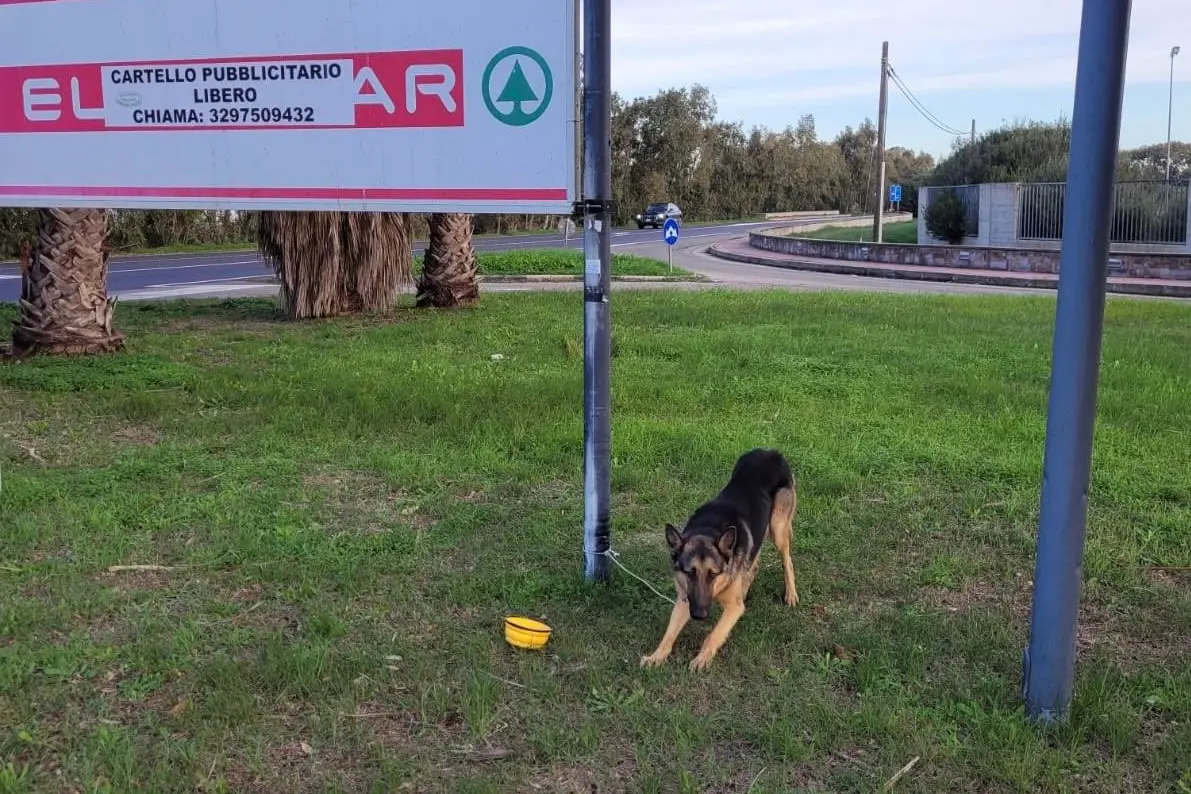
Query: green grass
353,506
560,262
567,263
900,232
187,248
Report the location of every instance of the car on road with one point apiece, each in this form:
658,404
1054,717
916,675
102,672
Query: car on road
656,214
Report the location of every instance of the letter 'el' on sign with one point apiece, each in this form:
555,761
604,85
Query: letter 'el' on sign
440,88
41,92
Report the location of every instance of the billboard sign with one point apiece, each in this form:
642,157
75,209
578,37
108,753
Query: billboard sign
455,105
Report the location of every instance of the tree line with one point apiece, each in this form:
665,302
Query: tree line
1032,151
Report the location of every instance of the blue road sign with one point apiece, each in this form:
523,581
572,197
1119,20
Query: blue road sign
670,231
895,194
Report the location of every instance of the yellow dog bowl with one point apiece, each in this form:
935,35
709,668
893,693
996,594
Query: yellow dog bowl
526,633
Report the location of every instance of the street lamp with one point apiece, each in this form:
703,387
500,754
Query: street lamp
1170,110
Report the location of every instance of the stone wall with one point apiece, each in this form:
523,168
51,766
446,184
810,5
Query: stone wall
1016,260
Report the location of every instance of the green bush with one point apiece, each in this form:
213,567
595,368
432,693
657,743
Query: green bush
945,217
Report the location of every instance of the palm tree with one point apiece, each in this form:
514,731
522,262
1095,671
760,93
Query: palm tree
333,263
378,247
64,307
449,267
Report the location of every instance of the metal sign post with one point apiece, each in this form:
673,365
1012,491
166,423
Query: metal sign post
1049,661
597,281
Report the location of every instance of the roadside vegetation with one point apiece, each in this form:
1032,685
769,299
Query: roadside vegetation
905,232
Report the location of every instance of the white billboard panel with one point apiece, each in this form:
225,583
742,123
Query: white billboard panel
395,105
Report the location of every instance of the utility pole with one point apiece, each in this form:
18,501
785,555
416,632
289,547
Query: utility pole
882,106
597,283
972,137
1170,111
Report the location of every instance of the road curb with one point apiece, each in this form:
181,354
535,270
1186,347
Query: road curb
839,267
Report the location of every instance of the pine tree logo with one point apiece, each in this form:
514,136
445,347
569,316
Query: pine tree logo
517,101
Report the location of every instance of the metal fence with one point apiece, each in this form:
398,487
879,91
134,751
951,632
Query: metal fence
969,196
1153,213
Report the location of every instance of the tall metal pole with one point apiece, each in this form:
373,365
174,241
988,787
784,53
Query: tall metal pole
597,281
1170,111
1049,661
883,105
972,137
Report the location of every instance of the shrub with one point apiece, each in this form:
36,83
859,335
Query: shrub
945,217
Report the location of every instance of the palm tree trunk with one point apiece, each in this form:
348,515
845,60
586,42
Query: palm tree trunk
64,307
449,268
304,249
379,250
334,263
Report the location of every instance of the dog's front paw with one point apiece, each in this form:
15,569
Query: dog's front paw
701,663
791,598
653,660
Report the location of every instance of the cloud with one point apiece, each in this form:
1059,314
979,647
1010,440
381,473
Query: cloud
770,52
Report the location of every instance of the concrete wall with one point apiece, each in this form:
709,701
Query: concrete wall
999,201
782,216
1165,265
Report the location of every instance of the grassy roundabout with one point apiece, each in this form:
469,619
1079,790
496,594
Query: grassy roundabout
344,512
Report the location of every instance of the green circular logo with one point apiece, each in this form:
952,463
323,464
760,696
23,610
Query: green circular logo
509,105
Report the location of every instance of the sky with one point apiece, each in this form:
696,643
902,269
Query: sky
768,62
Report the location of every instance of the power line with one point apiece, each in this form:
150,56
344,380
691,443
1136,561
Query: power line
918,105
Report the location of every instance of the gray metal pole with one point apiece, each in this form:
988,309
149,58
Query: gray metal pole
882,106
1170,111
597,281
1049,662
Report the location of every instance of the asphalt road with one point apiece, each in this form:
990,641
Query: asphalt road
242,274
183,273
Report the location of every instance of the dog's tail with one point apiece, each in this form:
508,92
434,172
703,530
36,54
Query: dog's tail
766,466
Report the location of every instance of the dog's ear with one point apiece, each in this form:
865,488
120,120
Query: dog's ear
673,537
727,542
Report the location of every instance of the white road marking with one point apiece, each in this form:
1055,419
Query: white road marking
132,259
200,281
155,268
181,292
659,241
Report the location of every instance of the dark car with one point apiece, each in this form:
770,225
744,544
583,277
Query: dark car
656,214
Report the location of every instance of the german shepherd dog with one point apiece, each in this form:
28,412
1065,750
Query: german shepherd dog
716,555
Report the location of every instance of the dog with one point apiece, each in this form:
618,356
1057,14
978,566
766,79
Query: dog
715,557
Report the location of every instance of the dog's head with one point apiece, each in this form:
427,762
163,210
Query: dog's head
700,558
